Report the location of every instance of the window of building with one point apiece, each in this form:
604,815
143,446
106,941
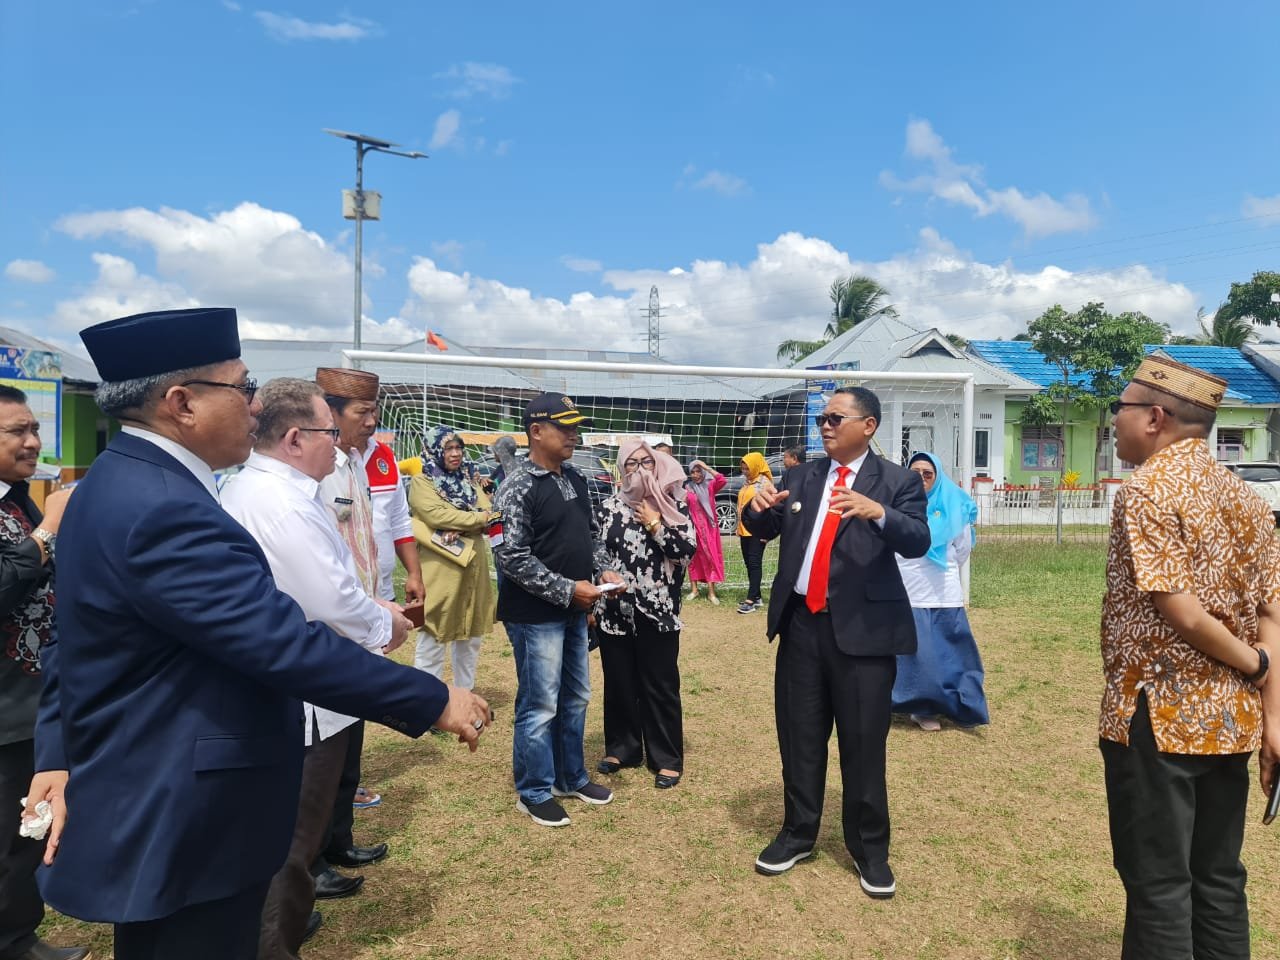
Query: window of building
1230,444
1041,447
982,449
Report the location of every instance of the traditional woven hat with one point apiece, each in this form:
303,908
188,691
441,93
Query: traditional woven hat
348,384
1179,380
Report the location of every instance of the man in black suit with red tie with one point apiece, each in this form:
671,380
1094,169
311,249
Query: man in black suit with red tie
840,608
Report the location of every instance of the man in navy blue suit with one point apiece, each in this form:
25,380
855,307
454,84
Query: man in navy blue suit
173,687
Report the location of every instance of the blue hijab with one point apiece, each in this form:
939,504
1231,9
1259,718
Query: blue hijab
950,508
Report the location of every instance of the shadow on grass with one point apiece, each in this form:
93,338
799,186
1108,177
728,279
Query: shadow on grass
1053,933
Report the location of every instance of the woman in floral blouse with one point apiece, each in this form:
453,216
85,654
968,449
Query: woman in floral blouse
649,538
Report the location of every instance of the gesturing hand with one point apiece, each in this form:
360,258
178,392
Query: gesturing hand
466,714
850,503
768,496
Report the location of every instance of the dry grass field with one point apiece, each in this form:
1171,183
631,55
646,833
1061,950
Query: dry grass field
1000,837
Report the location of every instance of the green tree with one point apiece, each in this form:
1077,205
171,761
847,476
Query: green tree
854,300
1252,302
1100,350
1225,330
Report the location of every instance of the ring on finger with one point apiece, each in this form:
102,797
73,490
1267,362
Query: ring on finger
478,724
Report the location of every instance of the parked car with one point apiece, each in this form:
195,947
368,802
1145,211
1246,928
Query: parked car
594,463
1263,479
727,498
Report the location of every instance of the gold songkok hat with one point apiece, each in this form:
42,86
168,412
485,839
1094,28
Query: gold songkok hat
348,384
1179,380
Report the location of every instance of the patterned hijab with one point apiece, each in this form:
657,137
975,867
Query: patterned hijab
454,485
950,508
659,486
756,466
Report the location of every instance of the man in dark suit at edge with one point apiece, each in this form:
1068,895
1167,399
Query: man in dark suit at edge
839,605
174,681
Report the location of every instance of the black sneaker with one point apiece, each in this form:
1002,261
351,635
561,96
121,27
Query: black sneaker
746,606
588,793
779,857
876,880
548,813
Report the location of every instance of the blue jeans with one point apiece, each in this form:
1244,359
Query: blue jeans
553,687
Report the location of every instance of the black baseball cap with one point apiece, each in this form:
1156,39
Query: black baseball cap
557,408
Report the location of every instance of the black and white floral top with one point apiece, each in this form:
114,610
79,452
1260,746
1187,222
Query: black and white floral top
649,562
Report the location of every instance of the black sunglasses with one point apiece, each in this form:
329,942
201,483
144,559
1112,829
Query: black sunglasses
835,419
1118,405
249,388
333,432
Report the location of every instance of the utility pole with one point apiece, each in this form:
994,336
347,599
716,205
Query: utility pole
655,315
360,206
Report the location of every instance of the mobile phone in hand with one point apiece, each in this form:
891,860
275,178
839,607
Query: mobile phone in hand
1273,801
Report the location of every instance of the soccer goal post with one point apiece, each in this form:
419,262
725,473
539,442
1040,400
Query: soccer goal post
713,414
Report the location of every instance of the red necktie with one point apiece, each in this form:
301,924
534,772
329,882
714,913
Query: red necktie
815,597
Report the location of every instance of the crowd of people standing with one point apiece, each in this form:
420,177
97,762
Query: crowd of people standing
214,644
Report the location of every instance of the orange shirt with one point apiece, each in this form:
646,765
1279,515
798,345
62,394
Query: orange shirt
1185,524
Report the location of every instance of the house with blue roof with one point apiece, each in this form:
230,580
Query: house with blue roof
1246,428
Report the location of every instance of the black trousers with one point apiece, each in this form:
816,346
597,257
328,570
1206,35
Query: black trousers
753,557
1177,825
814,685
21,908
292,895
642,716
338,838
217,930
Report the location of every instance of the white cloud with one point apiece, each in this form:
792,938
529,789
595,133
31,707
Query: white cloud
251,256
231,5
717,181
963,184
479,79
289,282
582,264
446,129
283,27
449,250
1265,208
29,271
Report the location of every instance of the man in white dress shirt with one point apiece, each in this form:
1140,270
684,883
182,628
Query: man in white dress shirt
276,498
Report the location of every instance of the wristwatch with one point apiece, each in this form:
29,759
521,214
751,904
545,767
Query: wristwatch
47,539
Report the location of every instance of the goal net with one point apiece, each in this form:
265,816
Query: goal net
712,414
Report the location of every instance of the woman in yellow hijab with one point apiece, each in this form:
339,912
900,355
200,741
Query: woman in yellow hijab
755,470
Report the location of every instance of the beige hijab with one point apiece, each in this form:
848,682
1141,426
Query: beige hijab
658,487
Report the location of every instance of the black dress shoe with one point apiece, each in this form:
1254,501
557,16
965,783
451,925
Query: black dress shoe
313,924
331,885
358,856
665,781
45,951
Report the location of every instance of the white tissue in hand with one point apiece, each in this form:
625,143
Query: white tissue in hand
36,827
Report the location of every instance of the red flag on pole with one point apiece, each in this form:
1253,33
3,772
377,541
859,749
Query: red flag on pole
434,341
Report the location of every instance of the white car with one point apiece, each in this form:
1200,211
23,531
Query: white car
1263,479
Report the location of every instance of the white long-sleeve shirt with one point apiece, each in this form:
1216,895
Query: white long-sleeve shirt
928,585
281,508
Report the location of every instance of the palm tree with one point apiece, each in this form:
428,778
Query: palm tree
854,300
1225,331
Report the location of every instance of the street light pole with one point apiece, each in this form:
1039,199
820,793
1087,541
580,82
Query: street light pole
360,211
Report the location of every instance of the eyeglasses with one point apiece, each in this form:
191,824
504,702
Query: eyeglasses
333,432
248,388
835,419
1118,405
925,473
631,466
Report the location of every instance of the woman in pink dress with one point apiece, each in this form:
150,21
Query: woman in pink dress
708,563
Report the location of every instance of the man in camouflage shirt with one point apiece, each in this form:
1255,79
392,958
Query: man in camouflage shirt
549,554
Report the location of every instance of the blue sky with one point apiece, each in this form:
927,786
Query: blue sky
981,161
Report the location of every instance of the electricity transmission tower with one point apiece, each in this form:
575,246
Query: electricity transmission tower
655,315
